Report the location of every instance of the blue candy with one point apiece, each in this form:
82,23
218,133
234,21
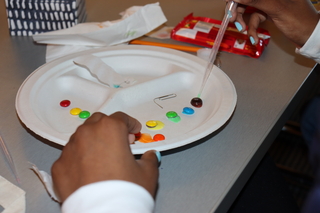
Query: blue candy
188,111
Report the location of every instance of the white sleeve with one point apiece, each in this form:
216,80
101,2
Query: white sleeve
109,197
311,49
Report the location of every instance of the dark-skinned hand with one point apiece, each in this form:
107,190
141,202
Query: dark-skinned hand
99,150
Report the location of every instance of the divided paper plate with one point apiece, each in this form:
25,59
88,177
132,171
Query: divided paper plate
158,72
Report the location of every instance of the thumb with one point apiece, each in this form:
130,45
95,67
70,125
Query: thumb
149,163
152,157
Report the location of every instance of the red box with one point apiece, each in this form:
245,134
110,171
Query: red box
203,31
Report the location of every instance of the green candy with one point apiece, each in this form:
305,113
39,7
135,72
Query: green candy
84,114
171,114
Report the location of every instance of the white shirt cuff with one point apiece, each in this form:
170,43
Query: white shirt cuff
311,49
109,197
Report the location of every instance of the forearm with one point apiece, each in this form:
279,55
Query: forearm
297,21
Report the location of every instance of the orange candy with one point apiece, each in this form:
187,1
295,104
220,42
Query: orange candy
145,138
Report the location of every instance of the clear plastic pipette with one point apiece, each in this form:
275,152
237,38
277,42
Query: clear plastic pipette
217,42
9,159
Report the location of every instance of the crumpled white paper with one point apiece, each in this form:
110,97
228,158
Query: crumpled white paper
46,179
162,32
136,21
103,72
12,198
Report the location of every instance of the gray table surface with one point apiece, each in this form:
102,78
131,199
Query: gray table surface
203,177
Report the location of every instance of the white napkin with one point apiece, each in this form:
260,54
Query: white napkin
162,32
12,198
57,51
136,21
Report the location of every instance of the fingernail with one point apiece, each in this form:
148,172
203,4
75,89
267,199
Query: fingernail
252,40
238,26
158,154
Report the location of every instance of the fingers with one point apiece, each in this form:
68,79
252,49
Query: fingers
149,163
109,132
239,22
255,19
237,14
133,125
95,117
153,157
131,138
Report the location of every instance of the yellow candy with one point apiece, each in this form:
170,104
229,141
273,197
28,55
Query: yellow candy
151,124
154,125
75,111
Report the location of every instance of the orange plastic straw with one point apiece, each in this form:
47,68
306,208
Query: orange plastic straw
172,46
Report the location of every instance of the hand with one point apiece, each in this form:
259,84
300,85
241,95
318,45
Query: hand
99,150
295,19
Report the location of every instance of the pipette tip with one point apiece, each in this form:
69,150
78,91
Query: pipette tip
217,42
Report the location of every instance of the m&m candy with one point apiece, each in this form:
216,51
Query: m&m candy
75,111
65,103
84,114
196,102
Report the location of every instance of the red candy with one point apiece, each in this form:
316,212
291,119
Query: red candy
138,136
65,103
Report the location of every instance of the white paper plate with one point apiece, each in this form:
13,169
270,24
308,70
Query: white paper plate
158,71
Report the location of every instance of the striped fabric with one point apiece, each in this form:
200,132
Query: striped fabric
28,17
